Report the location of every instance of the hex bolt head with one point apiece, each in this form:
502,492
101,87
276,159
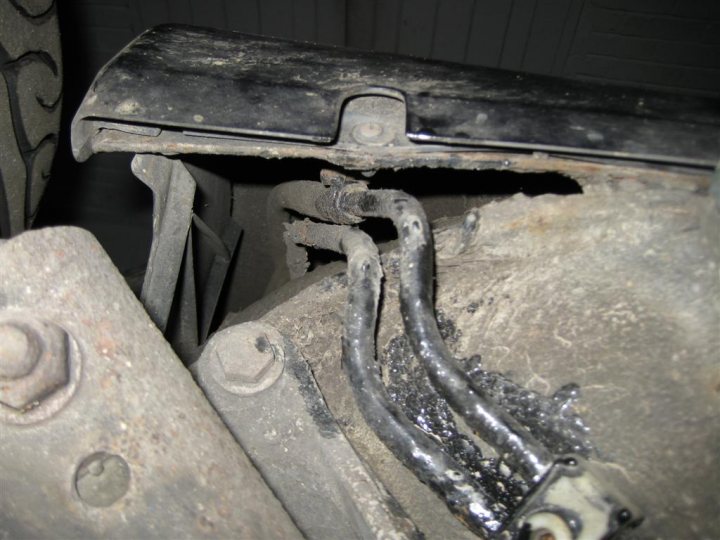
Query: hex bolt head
33,362
19,351
247,358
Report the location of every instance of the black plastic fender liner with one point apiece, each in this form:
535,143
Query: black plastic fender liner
414,449
206,85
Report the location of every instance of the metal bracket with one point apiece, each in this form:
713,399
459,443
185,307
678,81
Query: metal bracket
293,439
574,501
224,247
126,446
173,191
171,278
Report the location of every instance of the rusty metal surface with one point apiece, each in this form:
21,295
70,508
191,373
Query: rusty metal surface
207,83
283,423
615,290
40,363
371,158
136,451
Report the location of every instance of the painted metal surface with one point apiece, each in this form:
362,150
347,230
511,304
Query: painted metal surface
213,84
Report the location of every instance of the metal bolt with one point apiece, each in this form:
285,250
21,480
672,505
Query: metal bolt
372,133
247,358
19,351
548,526
623,516
33,362
371,130
102,479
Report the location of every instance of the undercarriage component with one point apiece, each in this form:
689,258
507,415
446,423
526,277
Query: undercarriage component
573,502
281,420
495,426
552,291
176,276
348,202
126,446
584,324
422,455
227,88
291,260
40,365
174,193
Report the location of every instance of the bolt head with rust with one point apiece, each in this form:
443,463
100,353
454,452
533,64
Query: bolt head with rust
247,358
33,361
19,351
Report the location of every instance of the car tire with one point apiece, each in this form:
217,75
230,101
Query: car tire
30,101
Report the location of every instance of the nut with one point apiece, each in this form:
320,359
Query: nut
33,362
247,358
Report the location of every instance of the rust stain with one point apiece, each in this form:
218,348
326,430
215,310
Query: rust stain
106,344
205,524
169,143
535,225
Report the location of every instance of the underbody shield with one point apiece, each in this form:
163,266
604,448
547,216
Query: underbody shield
178,89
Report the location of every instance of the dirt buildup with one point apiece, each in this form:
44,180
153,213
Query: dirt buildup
550,419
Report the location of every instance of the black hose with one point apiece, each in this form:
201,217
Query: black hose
491,423
413,448
305,197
